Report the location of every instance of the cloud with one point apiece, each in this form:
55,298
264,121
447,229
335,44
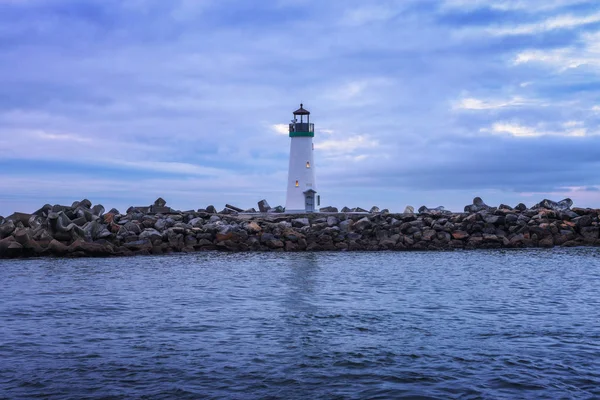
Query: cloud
471,103
571,128
506,5
191,101
369,14
347,145
586,54
60,137
281,129
566,21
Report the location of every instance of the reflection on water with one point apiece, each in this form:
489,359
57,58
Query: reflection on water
498,324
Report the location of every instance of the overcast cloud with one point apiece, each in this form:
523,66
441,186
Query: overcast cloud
415,102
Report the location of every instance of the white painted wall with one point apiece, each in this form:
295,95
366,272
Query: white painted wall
301,151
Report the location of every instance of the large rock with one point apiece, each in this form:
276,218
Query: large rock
562,205
160,202
7,228
409,210
374,210
346,210
63,228
17,217
234,208
436,210
211,209
328,209
332,221
57,248
362,224
263,206
150,234
478,205
98,210
253,227
300,222
521,207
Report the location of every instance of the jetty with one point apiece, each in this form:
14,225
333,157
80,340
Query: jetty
83,230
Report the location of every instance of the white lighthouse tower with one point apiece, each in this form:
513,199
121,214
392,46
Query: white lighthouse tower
301,187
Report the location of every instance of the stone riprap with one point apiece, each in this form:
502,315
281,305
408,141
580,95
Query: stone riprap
83,230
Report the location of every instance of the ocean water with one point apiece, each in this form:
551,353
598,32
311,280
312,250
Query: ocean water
479,324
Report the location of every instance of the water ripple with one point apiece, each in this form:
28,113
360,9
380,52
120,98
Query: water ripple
467,325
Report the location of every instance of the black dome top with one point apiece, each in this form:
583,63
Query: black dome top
301,111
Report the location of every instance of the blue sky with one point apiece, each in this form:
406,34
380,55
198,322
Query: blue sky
420,102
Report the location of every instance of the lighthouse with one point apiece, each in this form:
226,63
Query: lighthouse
301,187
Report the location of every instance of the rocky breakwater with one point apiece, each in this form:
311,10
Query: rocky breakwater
84,230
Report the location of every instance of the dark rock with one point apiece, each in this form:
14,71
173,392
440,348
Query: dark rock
583,221
521,207
98,210
590,232
478,205
263,206
250,211
362,224
562,205
278,209
85,203
434,211
114,211
57,248
359,210
160,202
346,210
43,212
211,209
7,228
234,208
505,207
329,209
300,222
17,217
374,210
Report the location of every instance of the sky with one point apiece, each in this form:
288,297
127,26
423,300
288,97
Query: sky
415,102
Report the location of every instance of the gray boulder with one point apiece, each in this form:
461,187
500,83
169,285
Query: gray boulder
150,234
300,222
562,205
409,210
521,207
7,228
160,202
374,210
196,222
211,209
478,205
362,224
263,206
328,209
98,210
63,228
43,212
346,210
332,221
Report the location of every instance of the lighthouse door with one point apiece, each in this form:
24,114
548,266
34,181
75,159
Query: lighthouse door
309,199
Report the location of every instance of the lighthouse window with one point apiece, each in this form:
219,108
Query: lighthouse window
297,184
308,164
